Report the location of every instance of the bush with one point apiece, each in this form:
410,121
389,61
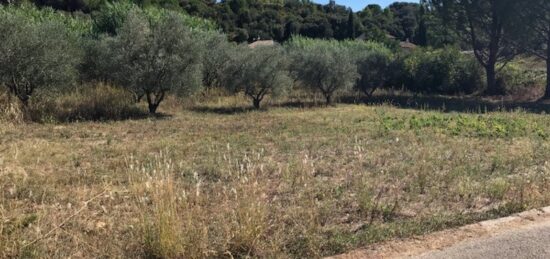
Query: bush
76,25
112,15
513,79
443,71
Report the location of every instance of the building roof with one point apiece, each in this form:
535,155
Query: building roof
407,45
262,43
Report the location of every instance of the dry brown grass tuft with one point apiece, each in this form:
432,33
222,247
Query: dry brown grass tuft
10,109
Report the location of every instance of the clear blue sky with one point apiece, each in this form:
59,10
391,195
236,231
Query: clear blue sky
357,5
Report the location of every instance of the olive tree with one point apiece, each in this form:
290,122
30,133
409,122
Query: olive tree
35,56
258,72
324,67
373,69
98,63
153,59
217,57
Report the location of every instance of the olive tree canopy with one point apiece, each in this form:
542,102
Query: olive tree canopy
217,57
324,66
373,66
258,72
35,56
153,59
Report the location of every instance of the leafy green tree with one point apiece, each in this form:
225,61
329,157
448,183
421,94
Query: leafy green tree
258,72
405,20
373,68
154,59
534,36
111,16
324,66
421,34
351,25
219,53
485,25
98,64
75,25
35,56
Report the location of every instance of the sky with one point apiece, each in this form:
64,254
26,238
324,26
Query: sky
358,5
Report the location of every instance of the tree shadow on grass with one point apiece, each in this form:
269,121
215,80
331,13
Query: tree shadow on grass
433,103
246,109
225,110
128,114
451,104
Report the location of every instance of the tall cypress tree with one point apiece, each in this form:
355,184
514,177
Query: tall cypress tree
351,25
421,37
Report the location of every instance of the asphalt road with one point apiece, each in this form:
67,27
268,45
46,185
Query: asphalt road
532,241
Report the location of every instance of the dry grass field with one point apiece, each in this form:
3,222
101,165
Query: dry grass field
284,183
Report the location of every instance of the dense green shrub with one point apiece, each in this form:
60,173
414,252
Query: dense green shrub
258,72
77,25
442,71
110,18
514,79
398,74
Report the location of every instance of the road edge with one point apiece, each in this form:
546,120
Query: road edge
418,245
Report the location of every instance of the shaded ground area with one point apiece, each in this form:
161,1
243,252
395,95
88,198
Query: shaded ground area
454,104
425,103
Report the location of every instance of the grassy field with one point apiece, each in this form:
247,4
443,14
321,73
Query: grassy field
287,182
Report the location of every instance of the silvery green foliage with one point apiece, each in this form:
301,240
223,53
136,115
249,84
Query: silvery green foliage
373,68
324,67
98,63
35,57
258,72
153,59
217,57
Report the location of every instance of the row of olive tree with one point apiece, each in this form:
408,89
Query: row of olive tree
152,53
329,68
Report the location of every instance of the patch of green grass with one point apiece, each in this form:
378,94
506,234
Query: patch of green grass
492,125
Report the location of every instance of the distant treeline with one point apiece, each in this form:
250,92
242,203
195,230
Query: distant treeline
249,20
